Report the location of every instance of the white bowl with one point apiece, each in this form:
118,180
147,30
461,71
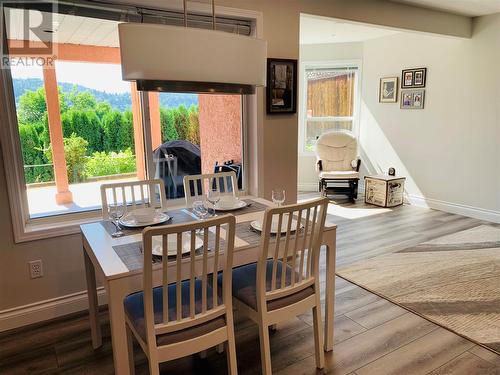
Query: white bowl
144,215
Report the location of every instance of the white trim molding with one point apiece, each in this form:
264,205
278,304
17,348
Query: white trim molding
48,309
455,208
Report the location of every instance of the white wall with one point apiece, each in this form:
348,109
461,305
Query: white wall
307,176
449,151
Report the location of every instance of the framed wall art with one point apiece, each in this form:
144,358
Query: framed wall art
413,78
388,91
281,92
412,99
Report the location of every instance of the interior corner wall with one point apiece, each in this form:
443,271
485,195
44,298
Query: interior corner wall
450,150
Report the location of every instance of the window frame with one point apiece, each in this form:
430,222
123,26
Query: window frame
30,229
303,119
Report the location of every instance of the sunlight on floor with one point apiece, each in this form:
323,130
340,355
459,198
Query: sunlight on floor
355,213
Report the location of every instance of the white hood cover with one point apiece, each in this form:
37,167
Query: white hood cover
171,58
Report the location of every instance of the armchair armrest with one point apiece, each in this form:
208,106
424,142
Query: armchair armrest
355,164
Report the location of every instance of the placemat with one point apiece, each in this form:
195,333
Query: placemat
181,216
133,258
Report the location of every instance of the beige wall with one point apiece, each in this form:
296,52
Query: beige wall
449,151
275,139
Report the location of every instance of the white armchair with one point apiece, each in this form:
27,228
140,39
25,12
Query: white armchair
338,163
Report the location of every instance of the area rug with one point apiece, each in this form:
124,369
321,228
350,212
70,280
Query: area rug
453,281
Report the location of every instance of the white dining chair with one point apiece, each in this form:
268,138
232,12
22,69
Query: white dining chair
284,282
196,186
137,194
191,314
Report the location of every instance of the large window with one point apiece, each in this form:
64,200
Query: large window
79,125
331,100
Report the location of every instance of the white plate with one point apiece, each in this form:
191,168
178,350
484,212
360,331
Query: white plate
257,225
129,221
237,205
172,244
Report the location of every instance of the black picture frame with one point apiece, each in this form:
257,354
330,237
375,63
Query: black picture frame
413,78
281,90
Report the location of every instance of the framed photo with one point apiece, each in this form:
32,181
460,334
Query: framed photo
281,93
412,99
388,92
413,78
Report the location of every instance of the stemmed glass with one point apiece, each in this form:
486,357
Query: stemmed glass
116,212
213,196
278,197
200,210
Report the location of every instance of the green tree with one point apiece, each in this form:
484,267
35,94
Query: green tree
75,149
33,106
126,132
193,126
167,121
85,124
33,154
102,108
82,100
181,120
111,125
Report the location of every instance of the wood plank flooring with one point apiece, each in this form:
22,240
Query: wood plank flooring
372,335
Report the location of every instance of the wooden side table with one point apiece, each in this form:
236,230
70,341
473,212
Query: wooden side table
384,190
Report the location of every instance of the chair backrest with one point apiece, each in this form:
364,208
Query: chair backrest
336,150
297,247
199,265
137,194
195,186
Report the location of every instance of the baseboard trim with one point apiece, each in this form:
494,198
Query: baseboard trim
308,186
48,309
455,208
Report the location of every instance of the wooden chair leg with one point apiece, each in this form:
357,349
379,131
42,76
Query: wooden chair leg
265,349
318,337
154,368
232,366
130,347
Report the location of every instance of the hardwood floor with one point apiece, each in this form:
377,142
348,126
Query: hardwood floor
372,336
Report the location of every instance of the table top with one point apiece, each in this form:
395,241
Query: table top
102,247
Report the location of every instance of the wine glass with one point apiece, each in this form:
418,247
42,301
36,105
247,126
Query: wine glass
213,196
116,212
278,197
200,210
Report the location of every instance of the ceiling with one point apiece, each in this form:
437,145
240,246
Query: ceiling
67,29
471,8
322,30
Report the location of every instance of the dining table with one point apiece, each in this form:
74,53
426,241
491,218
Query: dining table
117,263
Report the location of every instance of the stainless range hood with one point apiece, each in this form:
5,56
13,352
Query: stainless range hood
182,59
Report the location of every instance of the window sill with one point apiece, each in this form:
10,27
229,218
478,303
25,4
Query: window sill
66,225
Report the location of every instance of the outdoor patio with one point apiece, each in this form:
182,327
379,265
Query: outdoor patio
86,196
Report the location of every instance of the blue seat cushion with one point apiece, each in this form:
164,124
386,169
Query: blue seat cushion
245,285
134,308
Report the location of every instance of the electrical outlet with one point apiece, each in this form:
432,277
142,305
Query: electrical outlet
36,269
